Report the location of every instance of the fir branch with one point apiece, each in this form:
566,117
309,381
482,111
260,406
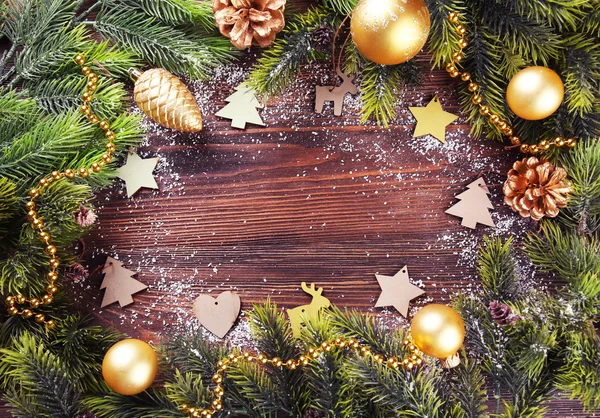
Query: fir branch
162,45
82,347
564,15
14,326
272,331
533,348
581,63
379,88
278,65
468,390
497,270
443,36
583,166
191,353
148,404
8,204
53,57
357,325
413,393
581,373
251,387
187,389
128,132
28,22
35,153
273,336
521,36
17,114
565,253
31,367
174,12
56,95
21,267
341,7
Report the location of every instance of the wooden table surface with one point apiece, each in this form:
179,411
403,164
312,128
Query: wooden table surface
310,198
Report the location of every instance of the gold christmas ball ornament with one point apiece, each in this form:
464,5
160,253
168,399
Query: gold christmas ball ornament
166,100
438,331
535,93
390,32
130,366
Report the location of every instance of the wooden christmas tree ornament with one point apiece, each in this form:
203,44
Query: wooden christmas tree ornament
242,108
218,315
474,205
166,100
119,284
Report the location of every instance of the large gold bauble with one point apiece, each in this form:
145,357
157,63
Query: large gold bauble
390,31
130,366
166,100
438,331
535,93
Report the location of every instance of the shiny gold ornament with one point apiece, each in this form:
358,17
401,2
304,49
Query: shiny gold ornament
390,31
438,331
166,100
536,188
535,93
130,366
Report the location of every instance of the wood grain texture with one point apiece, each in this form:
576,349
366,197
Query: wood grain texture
307,198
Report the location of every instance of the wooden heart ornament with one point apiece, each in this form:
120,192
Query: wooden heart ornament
218,314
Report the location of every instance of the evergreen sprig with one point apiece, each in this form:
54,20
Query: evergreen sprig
294,46
160,44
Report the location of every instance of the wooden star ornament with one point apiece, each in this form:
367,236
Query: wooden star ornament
397,291
432,120
137,173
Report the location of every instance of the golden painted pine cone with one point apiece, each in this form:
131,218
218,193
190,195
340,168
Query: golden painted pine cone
249,22
536,188
166,100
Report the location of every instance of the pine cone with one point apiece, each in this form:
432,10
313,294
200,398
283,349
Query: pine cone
85,217
166,100
536,188
502,313
322,38
75,272
249,22
313,413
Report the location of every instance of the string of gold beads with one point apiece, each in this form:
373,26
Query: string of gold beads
414,357
484,110
292,364
19,304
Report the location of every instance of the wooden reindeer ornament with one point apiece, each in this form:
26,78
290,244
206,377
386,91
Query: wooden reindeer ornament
335,94
299,315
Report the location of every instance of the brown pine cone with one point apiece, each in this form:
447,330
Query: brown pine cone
249,22
536,188
502,314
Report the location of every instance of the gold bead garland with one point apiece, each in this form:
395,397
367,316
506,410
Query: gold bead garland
37,223
484,110
413,359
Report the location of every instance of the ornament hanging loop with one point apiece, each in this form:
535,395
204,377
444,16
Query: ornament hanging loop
134,74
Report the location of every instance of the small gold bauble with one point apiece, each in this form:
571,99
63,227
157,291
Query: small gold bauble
438,330
535,93
130,366
390,32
